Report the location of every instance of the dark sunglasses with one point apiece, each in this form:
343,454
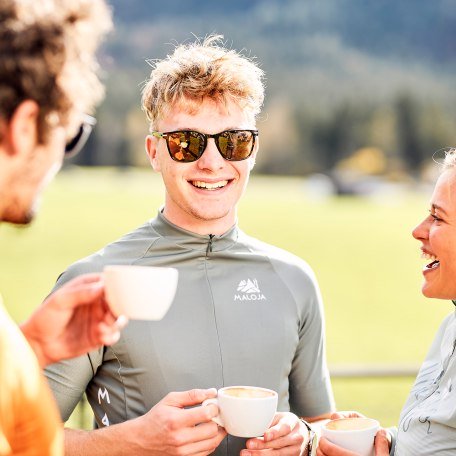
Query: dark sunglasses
188,146
74,146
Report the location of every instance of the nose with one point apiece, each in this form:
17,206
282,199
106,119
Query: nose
421,231
211,158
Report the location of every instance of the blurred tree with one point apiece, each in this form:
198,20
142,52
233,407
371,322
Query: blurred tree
87,156
408,132
438,129
136,131
335,139
381,129
279,139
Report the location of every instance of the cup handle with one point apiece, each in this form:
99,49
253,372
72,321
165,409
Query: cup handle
217,419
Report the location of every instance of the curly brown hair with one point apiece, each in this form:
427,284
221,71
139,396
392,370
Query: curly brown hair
47,54
199,70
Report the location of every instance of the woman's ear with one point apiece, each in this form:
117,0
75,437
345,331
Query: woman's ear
151,150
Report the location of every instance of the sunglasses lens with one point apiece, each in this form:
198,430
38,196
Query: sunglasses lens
185,146
236,145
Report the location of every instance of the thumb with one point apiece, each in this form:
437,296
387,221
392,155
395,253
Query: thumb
381,443
187,398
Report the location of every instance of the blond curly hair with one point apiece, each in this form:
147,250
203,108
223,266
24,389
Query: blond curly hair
201,70
450,159
47,54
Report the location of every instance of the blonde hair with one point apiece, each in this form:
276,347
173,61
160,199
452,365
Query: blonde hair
450,159
198,71
47,54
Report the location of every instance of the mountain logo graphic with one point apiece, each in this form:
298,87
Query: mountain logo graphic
248,286
249,291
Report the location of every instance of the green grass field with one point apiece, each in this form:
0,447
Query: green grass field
361,250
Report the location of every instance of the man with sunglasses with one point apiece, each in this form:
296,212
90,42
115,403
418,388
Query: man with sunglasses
245,313
47,82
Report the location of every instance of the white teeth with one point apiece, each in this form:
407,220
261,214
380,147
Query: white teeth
428,256
210,186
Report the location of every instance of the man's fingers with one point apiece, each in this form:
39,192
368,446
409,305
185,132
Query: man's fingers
203,447
346,414
121,322
381,443
195,440
286,423
85,279
77,295
112,321
295,440
286,451
194,415
188,398
198,415
203,437
107,332
108,339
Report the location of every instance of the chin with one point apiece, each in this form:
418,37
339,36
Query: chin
437,294
19,217
211,215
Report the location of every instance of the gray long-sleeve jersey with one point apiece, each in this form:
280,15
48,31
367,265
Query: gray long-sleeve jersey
245,313
427,424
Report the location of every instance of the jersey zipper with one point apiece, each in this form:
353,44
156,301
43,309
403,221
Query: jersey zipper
209,245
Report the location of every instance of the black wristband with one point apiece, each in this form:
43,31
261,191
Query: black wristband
312,443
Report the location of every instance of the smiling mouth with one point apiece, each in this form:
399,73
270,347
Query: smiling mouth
211,186
435,263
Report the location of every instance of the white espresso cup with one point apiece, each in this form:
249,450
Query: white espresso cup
140,292
354,434
245,411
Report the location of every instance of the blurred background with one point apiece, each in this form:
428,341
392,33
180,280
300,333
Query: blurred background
360,95
352,85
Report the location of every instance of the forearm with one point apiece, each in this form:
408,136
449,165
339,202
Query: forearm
115,440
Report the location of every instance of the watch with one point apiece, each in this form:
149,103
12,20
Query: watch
313,439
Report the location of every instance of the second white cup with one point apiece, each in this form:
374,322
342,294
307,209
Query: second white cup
354,434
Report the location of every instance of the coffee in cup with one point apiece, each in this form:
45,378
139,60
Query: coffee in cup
140,292
245,411
251,392
354,434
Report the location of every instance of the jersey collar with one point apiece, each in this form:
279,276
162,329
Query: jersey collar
193,241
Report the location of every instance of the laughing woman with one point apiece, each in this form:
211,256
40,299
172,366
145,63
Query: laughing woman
427,423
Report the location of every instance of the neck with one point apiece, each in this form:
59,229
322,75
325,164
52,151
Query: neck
202,227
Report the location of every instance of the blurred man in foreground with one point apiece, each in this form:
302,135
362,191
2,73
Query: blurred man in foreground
47,85
245,313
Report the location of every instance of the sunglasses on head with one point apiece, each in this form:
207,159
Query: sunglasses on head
74,145
187,146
